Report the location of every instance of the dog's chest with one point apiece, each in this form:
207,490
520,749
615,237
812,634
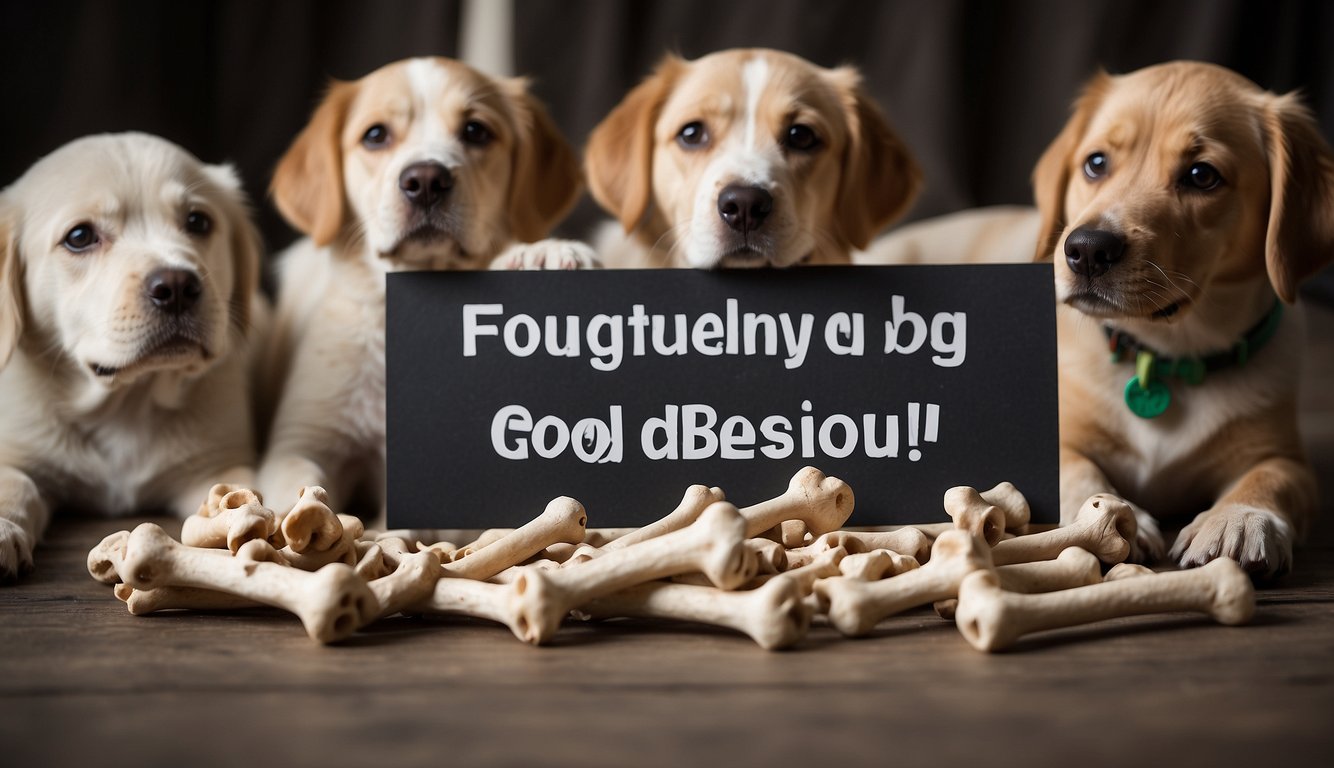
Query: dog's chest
364,393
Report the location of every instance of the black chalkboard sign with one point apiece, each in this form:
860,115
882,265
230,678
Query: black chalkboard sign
622,388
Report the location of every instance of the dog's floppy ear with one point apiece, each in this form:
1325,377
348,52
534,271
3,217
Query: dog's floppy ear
546,179
619,156
11,283
880,177
1300,240
308,183
245,244
1051,176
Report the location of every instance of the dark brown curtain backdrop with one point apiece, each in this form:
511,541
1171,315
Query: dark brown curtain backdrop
977,87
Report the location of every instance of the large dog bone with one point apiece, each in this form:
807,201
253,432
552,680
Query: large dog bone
332,603
823,503
411,582
906,541
141,602
713,544
773,615
697,498
102,559
855,606
1127,571
344,551
1074,567
229,518
1105,526
973,513
563,521
877,564
992,619
770,555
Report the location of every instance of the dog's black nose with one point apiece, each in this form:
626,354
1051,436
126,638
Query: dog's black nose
174,291
744,208
425,184
1091,252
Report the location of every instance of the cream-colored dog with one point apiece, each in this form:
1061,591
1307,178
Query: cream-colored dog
127,275
1182,206
422,164
745,158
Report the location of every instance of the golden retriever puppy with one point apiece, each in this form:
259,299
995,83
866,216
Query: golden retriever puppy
423,164
746,158
1182,206
127,275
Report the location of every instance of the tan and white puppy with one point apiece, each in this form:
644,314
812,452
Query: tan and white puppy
1177,203
744,158
128,276
422,164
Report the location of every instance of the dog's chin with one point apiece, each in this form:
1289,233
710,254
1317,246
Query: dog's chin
1113,305
426,246
180,352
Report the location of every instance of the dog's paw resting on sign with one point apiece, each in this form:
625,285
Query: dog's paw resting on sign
1182,206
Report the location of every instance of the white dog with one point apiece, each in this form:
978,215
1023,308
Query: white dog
128,276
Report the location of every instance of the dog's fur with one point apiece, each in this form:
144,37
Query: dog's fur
1199,268
827,198
342,183
109,402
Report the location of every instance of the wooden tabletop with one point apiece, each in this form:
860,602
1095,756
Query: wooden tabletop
82,682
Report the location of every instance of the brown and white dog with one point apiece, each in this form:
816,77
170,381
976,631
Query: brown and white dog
128,291
1182,204
423,164
745,158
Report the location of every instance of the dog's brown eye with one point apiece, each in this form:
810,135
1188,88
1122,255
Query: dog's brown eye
375,137
1202,176
802,138
476,134
693,135
1095,167
198,223
80,238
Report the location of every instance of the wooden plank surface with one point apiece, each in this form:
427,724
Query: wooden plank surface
82,682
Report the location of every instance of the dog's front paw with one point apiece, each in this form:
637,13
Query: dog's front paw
15,550
547,254
1257,538
1149,546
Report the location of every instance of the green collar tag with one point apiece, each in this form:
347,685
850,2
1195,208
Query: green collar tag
1146,396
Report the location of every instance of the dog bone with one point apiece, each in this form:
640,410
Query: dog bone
973,513
1011,503
235,516
772,615
310,526
141,602
332,603
697,498
371,563
770,554
411,582
1126,571
484,539
906,541
563,521
876,564
1074,567
102,558
344,551
991,619
790,533
823,503
1105,526
855,607
713,544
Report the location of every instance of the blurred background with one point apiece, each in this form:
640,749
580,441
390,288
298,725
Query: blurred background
976,87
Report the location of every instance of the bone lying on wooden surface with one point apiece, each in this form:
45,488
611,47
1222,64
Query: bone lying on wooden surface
822,503
773,614
562,521
228,518
141,602
855,606
410,583
1074,567
992,619
332,603
714,544
973,513
1105,526
102,558
697,498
